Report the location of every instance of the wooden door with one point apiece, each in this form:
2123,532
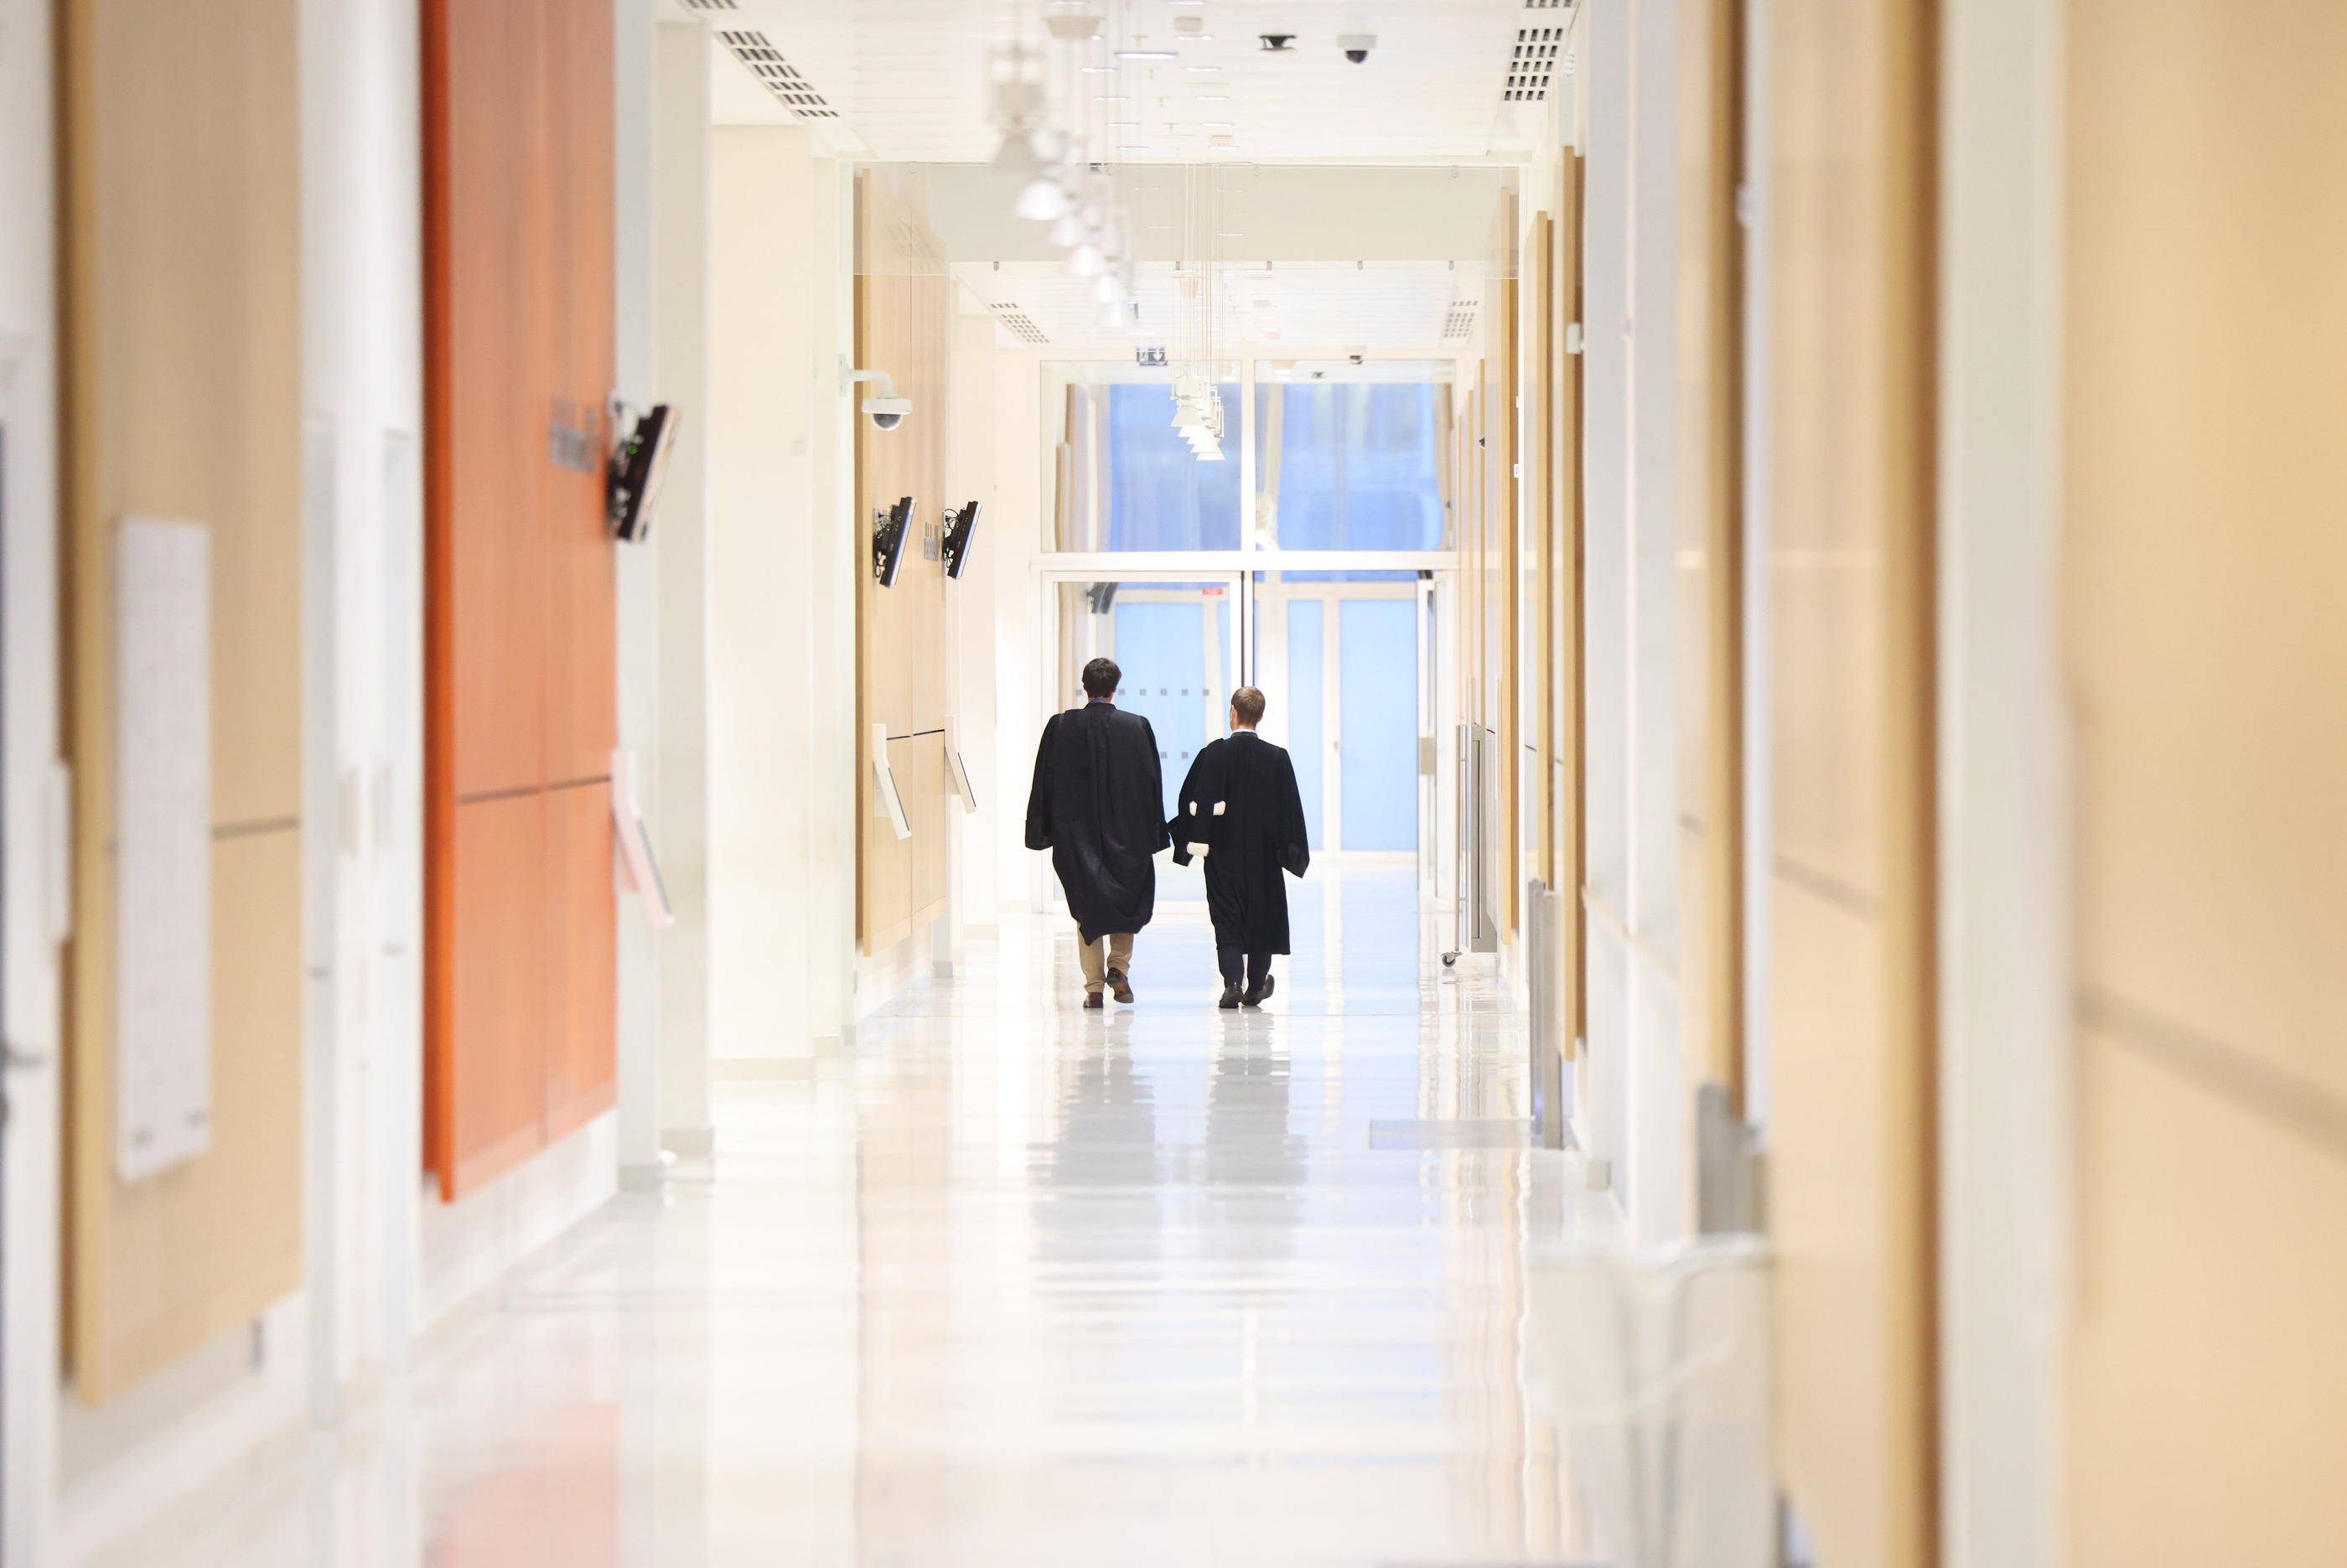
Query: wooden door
1850,998
902,322
521,619
2205,485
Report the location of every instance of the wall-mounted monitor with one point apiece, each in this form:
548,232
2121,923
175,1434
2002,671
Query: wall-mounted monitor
633,486
960,526
889,531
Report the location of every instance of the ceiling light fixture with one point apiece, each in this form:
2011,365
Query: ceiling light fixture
1147,55
1197,67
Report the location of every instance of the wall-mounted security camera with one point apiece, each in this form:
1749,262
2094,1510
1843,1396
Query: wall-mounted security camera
1278,43
886,411
1357,46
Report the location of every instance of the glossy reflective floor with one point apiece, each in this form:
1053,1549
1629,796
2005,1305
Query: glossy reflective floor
1016,1284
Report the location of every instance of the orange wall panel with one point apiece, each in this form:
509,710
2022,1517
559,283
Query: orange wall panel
521,613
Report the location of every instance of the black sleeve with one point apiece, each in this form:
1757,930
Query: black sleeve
1039,798
1183,829
1295,837
1156,784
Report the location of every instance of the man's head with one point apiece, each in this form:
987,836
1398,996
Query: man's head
1100,677
1246,708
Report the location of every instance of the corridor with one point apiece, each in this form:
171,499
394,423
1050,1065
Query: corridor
1013,1284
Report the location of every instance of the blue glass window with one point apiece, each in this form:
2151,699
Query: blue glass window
1161,496
1359,466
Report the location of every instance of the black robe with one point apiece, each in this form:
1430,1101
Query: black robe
1095,806
1241,802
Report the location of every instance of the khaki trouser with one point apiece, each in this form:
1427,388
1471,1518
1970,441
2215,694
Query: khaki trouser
1120,957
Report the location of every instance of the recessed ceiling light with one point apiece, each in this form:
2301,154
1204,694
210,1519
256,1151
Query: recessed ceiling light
1213,98
1100,70
1148,55
1124,125
1198,67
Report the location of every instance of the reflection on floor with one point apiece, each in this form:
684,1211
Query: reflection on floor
1013,1284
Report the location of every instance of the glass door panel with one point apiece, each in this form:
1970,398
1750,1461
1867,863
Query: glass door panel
1176,644
1378,680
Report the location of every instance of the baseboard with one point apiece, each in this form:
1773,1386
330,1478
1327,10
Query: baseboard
760,1068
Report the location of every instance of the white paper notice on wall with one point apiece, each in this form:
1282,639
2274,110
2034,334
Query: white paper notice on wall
162,844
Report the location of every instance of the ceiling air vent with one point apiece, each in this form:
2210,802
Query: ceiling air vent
1532,63
735,6
757,51
1022,325
1548,4
1459,322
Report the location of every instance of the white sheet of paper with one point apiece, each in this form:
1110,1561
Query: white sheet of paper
163,844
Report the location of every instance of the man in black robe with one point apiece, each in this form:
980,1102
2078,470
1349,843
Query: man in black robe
1240,808
1098,806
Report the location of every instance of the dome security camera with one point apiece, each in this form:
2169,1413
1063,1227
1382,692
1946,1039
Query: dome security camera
887,410
1357,46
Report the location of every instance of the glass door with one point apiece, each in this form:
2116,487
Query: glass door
1177,640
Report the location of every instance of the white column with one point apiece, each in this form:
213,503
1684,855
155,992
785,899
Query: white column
363,843
679,774
635,357
2005,1085
29,977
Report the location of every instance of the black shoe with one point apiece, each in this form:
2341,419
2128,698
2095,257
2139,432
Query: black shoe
1093,1000
1230,998
1120,985
1255,998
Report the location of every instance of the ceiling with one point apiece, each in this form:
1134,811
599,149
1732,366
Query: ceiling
910,80
1387,307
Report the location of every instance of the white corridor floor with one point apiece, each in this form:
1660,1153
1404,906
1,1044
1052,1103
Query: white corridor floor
1015,1284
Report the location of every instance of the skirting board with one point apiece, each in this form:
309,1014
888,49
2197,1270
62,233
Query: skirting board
760,1068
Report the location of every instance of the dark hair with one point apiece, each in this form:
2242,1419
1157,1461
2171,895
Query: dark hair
1247,703
1100,677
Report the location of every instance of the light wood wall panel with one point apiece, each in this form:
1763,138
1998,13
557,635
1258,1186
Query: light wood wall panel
183,370
1710,619
521,613
1849,995
2205,575
903,297
1566,521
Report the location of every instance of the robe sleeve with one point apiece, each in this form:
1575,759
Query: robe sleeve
1156,784
1185,805
1295,838
1039,798
1190,827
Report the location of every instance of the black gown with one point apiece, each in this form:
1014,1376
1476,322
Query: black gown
1241,802
1098,793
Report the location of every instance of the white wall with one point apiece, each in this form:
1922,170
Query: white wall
773,391
677,781
1634,1105
2005,1090
28,747
635,46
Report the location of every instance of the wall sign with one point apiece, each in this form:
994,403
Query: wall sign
162,844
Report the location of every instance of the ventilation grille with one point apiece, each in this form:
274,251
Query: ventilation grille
757,51
1022,325
735,6
1548,4
1459,322
1533,63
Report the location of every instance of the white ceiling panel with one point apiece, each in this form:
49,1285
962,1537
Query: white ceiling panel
1386,307
911,79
